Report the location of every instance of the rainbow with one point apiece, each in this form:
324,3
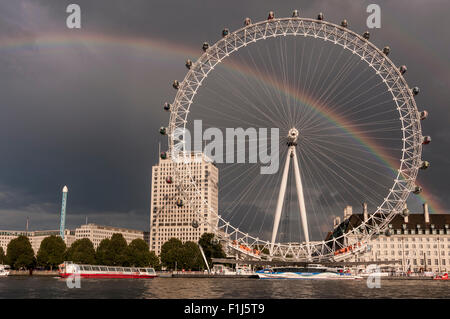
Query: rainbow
166,48
338,120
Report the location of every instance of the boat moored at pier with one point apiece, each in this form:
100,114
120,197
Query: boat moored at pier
97,271
4,270
310,272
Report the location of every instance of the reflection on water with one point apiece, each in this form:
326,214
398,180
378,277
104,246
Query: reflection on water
193,288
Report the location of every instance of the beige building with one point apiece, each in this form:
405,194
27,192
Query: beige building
35,237
96,233
419,242
171,218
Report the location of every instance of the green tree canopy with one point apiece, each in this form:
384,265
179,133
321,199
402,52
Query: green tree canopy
2,256
112,252
185,256
171,252
211,248
191,257
139,255
82,251
20,254
103,253
154,261
51,252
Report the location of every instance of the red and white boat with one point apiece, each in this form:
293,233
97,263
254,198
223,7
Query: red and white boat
443,277
68,269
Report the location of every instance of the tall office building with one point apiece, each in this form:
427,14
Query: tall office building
171,218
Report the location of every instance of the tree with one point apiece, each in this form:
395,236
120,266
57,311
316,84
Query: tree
103,253
171,252
20,254
112,252
211,248
51,252
154,261
191,256
82,251
184,256
138,254
117,249
2,256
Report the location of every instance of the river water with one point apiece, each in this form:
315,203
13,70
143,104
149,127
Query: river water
194,288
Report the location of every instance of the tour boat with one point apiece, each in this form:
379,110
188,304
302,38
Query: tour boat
443,277
223,270
310,272
374,274
4,270
95,271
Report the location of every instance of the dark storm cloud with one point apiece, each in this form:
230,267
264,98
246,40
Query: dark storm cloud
88,116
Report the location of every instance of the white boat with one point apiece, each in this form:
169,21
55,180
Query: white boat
375,274
68,269
4,270
223,270
310,272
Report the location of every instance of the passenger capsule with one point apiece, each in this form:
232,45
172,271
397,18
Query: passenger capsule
247,21
415,90
271,15
320,16
426,140
167,106
205,46
417,190
425,165
225,32
386,50
163,155
423,115
405,212
163,130
179,203
295,14
403,69
344,23
366,35
176,85
169,180
195,224
188,64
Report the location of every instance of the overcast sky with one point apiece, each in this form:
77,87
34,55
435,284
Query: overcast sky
86,113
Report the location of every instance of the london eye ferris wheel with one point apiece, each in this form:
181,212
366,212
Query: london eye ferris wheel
349,136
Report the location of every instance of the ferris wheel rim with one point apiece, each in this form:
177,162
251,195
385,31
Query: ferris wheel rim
215,54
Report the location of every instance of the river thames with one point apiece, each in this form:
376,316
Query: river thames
218,288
